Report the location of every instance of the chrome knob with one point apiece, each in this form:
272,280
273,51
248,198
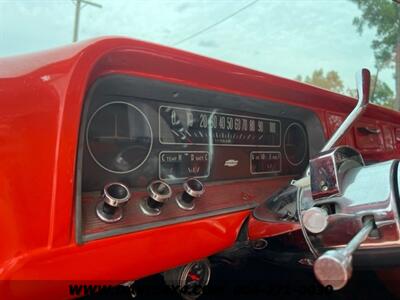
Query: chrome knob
193,188
334,267
159,192
113,196
315,219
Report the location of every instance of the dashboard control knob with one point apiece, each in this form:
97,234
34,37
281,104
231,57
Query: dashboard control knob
315,219
159,192
113,196
193,188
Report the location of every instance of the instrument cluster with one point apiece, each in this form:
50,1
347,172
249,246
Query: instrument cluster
129,137
154,153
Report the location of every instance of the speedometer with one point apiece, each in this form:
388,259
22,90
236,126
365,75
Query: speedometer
119,137
191,126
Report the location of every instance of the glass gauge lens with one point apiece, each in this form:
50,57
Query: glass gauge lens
190,126
119,137
295,144
193,279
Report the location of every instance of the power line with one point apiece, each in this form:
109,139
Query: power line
216,23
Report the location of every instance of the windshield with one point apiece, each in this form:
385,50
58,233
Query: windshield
320,42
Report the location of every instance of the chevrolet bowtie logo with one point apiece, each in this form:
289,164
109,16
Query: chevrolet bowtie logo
231,163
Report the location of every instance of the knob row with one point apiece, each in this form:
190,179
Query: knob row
115,194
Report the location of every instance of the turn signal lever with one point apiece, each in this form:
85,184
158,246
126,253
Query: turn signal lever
334,267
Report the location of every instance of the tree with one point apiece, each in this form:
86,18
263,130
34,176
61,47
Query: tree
381,93
384,16
331,81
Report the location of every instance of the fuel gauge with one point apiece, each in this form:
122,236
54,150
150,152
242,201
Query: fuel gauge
295,144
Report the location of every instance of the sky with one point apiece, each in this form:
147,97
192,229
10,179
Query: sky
281,37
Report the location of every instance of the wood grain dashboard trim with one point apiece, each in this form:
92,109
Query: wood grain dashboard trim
218,199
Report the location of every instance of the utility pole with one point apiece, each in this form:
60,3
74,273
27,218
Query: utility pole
78,7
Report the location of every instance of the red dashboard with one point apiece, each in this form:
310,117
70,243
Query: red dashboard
51,183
